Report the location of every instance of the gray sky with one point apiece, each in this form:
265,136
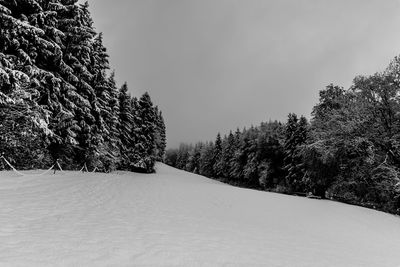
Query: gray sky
214,65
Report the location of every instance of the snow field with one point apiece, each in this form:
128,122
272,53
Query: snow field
175,218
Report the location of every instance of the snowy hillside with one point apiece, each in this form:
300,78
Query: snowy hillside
174,218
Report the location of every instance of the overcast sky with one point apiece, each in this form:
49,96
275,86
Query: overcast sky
215,65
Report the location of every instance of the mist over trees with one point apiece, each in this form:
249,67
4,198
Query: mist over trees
349,151
58,99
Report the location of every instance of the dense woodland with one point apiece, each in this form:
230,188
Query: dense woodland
349,151
60,101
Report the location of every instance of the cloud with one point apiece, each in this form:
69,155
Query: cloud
214,65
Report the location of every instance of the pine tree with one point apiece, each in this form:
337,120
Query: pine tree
250,169
183,156
296,136
207,160
21,47
228,147
22,131
271,155
113,123
125,125
193,162
240,156
76,24
218,165
171,156
145,146
160,137
107,104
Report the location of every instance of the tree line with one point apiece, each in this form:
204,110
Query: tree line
349,150
58,99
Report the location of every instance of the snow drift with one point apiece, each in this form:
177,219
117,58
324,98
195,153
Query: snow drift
174,218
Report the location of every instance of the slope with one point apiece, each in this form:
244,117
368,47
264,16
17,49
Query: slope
174,218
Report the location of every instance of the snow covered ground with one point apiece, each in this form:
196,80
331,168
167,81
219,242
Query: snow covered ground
174,218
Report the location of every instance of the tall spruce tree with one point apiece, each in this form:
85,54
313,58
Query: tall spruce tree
218,165
250,169
145,145
107,104
240,156
125,125
296,136
228,146
207,160
193,163
22,46
160,137
113,123
77,25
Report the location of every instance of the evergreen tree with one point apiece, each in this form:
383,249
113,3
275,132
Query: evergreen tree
240,155
113,123
207,160
22,131
296,136
106,115
145,145
218,165
193,162
125,125
160,137
250,169
76,24
183,156
228,147
171,156
22,48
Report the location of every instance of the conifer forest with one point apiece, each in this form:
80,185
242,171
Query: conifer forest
349,151
58,97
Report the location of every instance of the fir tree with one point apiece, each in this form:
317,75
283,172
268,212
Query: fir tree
113,123
183,156
21,47
145,146
250,169
193,162
125,125
228,147
207,160
218,165
240,156
106,105
160,137
296,136
76,24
